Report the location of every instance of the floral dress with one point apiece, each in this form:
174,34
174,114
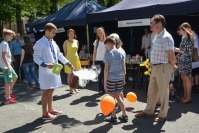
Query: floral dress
185,59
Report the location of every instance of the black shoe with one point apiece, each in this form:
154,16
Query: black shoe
123,118
111,119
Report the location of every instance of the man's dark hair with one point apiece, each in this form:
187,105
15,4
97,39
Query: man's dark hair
159,18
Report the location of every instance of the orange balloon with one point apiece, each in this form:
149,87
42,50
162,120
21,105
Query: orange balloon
131,97
107,104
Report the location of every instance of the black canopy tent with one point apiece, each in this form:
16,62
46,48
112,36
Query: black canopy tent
136,9
73,15
176,12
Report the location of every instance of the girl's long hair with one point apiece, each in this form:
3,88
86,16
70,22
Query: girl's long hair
187,28
103,31
28,45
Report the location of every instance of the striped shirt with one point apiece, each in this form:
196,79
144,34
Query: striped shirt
161,43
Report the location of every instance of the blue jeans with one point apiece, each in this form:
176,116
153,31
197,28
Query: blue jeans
29,70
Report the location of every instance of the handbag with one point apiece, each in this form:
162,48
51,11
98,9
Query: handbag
74,81
195,57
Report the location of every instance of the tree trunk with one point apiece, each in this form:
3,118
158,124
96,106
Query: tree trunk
18,17
53,6
1,28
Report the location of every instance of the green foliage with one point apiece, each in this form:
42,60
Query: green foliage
36,9
7,10
108,3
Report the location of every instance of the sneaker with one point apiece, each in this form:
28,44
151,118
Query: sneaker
123,118
55,112
13,96
10,101
111,119
49,116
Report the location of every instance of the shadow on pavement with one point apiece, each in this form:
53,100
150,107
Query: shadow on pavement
177,109
102,129
144,125
65,122
99,118
91,100
29,127
55,97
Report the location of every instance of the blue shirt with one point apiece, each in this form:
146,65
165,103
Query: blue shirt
160,45
115,60
15,47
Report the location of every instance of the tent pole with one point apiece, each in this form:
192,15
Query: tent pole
87,37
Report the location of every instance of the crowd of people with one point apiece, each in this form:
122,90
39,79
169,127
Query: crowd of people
109,55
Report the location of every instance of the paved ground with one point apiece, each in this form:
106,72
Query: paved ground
81,113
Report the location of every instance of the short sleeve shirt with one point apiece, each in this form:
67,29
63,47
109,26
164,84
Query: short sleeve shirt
15,47
101,49
4,47
114,59
161,43
28,57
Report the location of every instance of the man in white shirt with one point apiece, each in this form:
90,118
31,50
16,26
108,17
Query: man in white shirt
146,43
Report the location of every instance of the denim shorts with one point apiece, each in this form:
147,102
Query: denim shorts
8,78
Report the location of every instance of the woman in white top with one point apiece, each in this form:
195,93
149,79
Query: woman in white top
98,55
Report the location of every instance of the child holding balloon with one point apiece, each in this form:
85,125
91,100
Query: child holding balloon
114,77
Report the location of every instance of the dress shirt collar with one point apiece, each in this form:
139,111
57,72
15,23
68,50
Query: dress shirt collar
47,39
161,33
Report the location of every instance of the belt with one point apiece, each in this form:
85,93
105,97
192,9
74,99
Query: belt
158,64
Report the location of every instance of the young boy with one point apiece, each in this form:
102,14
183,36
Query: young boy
114,77
47,53
10,77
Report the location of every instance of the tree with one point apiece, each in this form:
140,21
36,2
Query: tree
13,10
112,2
53,6
7,13
18,17
108,3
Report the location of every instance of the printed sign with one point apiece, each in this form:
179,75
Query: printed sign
133,23
60,30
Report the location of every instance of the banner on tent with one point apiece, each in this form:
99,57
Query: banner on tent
60,30
133,23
